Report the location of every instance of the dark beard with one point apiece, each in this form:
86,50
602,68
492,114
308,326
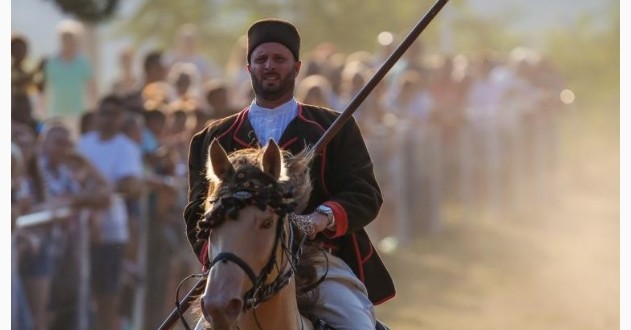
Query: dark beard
286,87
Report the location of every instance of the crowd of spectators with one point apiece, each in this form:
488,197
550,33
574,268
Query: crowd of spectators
448,135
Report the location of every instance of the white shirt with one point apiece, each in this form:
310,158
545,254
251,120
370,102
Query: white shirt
116,158
271,123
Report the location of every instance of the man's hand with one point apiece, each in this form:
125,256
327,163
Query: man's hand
310,224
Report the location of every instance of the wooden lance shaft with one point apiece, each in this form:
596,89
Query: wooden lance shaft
197,289
333,129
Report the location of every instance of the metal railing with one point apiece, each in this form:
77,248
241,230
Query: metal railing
45,217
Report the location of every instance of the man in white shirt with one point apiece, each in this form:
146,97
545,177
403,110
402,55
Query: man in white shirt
119,160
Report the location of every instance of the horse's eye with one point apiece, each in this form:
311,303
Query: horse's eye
267,224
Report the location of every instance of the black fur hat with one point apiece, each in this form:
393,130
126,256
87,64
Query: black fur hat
274,30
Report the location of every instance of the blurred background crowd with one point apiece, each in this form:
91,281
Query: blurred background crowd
451,136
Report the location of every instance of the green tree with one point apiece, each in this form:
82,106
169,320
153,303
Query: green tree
155,22
89,11
588,54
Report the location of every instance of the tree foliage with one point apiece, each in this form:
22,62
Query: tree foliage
588,54
89,11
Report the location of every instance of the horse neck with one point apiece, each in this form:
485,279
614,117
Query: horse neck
279,312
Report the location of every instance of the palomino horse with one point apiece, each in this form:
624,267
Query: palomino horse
253,249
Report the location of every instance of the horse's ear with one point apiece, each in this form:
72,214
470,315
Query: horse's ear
272,160
218,165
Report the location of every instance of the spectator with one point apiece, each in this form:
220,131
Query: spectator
157,96
87,122
17,178
133,127
152,134
21,318
63,191
126,83
178,136
119,160
187,50
69,78
412,99
154,68
236,74
216,93
31,191
184,78
34,258
353,78
316,90
24,81
153,91
22,112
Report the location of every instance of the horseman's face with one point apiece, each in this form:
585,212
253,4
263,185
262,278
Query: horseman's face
273,70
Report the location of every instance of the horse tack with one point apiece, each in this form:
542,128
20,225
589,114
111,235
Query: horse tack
261,291
249,185
248,188
259,189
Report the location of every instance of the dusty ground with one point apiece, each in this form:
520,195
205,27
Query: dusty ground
553,265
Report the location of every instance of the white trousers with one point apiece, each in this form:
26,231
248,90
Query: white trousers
343,299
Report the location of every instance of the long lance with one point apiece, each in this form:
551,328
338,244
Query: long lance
331,131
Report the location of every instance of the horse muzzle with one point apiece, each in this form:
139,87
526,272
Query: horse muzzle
222,300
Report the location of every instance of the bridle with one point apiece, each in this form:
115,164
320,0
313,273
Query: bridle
255,188
261,290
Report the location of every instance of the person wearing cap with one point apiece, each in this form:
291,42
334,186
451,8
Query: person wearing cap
345,196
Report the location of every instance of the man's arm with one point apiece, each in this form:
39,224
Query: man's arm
355,194
197,188
130,187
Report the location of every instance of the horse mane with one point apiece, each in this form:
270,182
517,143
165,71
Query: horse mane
294,179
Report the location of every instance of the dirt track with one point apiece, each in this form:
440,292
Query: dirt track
553,265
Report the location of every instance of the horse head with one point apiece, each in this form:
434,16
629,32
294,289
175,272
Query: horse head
252,258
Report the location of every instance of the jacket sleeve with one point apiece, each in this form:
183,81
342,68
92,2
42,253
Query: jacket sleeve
197,188
355,196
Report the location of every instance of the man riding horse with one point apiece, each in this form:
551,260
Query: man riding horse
345,196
